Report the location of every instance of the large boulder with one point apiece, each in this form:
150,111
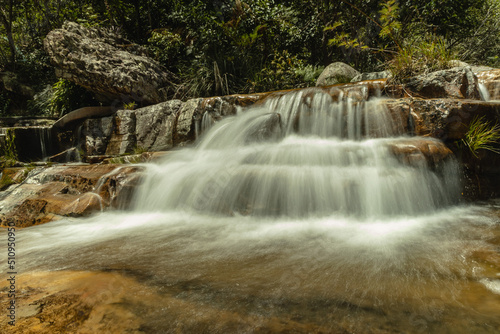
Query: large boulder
106,64
336,73
457,82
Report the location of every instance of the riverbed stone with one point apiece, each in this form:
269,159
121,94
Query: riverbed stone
96,133
155,126
189,113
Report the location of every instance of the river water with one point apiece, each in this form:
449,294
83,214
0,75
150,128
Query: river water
294,216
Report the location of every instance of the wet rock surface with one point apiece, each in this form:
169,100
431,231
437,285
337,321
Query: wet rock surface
491,81
42,194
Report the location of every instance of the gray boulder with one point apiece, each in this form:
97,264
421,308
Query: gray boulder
371,76
336,73
106,64
155,125
457,82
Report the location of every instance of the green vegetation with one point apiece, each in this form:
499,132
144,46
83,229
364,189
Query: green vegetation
420,55
67,96
6,181
8,149
482,136
130,106
234,46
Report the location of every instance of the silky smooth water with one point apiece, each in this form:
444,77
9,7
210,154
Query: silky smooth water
294,214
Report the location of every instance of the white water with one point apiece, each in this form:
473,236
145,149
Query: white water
296,204
483,92
300,155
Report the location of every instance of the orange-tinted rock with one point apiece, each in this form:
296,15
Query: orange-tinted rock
76,190
420,153
445,119
84,205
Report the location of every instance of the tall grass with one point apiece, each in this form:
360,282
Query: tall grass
420,56
482,136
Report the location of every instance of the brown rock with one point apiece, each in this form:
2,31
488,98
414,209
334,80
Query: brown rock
491,81
83,205
52,192
420,153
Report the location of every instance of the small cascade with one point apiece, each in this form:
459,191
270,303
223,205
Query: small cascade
206,122
489,85
29,142
45,139
483,92
297,155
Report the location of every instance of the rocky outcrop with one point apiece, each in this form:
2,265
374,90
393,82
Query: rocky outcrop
336,73
39,195
371,76
457,82
158,127
444,119
107,64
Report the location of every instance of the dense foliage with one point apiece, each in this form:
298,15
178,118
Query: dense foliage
233,46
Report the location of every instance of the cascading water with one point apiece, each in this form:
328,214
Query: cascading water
300,155
294,215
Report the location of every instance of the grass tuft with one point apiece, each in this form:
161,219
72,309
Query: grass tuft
482,136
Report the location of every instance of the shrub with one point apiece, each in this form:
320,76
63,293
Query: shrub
285,71
68,96
8,149
421,55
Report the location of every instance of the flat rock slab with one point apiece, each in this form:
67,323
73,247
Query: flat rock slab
46,193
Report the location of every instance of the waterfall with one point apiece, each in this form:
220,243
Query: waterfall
301,154
45,138
483,92
302,211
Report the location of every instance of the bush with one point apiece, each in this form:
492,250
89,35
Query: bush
68,96
284,71
420,55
